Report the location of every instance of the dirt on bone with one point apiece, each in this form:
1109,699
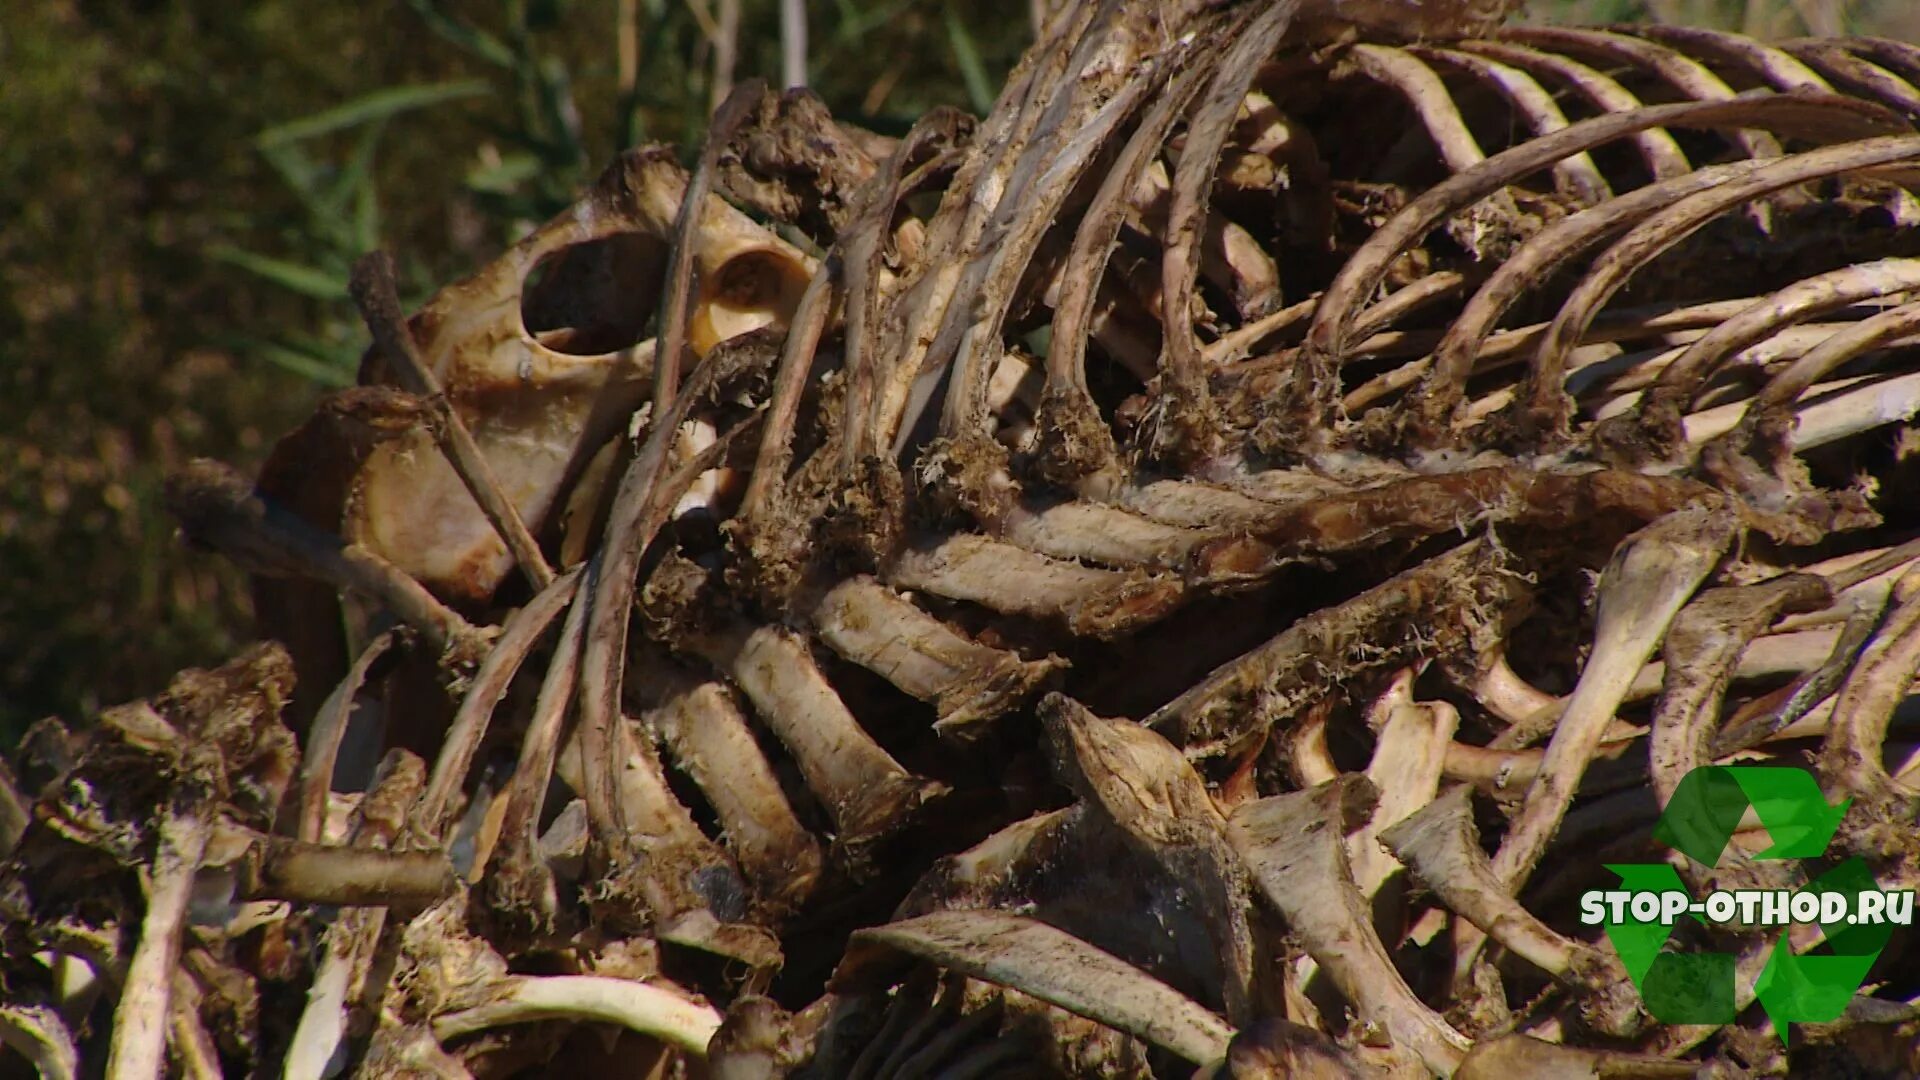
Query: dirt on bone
1159,592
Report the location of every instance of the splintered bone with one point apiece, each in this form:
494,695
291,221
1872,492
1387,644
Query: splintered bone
1410,753
1141,783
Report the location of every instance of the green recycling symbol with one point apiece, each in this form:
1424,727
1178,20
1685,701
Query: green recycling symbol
1698,988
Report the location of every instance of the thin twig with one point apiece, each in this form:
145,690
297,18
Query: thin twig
793,43
218,508
726,47
378,298
678,287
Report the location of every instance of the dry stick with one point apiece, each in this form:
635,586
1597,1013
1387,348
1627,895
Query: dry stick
462,740
627,60
1364,271
726,48
793,43
374,292
139,1045
324,737
218,507
1614,268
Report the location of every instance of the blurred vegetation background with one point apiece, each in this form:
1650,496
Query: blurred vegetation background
183,184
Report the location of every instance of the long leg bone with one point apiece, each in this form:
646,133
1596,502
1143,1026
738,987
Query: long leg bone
1643,589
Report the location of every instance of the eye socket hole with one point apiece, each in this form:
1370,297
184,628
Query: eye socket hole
748,291
597,297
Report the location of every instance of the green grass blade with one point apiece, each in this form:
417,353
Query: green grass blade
967,55
379,105
468,38
305,280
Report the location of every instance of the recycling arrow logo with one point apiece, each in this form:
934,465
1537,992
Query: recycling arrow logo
1856,917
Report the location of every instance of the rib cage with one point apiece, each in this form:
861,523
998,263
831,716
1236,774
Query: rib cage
1170,393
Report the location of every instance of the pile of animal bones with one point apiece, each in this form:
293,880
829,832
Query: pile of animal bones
1197,569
